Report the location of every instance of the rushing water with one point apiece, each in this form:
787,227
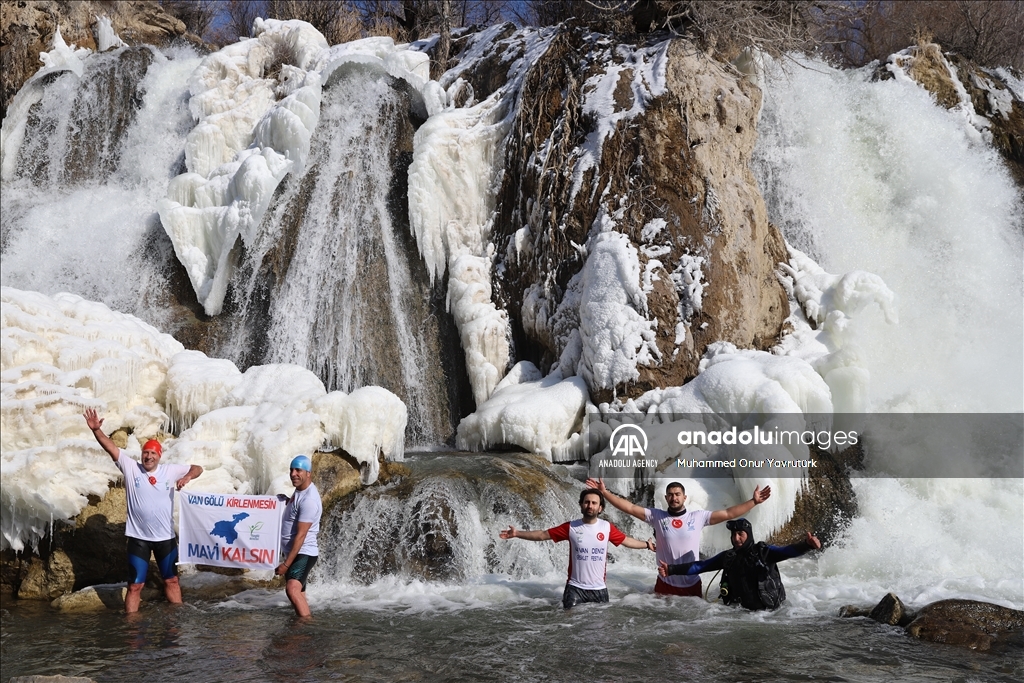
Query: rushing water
334,282
97,156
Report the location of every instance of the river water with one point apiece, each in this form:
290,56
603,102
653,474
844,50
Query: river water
493,630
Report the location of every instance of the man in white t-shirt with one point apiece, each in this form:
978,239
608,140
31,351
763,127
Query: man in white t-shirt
677,531
588,549
149,488
299,529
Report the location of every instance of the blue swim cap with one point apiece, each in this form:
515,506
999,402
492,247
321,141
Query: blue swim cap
301,462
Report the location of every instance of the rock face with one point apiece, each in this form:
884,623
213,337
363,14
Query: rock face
665,164
27,28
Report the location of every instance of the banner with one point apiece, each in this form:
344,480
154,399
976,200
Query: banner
229,530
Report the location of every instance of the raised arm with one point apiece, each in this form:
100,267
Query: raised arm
741,509
512,532
95,424
619,502
193,472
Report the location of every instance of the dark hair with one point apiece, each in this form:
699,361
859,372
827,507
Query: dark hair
676,485
591,492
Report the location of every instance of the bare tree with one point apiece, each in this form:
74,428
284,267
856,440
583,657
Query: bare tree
197,15
240,15
985,31
337,20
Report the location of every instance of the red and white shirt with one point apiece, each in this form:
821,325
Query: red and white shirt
588,550
678,538
150,498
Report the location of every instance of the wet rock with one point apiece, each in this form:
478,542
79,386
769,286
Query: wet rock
964,623
92,599
967,623
335,475
47,579
891,610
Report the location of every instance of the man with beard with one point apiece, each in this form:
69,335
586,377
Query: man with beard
588,549
751,576
149,488
677,531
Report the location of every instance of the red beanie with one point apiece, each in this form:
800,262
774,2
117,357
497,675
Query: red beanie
153,445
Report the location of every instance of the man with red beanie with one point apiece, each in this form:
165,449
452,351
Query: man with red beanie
149,487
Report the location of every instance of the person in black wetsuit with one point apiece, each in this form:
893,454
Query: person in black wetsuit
751,575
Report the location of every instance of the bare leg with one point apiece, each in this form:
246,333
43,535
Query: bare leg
133,598
172,590
293,589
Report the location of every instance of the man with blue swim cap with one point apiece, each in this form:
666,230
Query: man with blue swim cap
299,528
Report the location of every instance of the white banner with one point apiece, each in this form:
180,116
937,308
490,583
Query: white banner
228,530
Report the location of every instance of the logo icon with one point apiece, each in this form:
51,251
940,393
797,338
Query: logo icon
629,441
253,528
677,523
152,480
600,536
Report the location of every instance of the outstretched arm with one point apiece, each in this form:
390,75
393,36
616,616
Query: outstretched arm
692,568
637,544
741,509
96,424
193,472
512,532
788,552
619,502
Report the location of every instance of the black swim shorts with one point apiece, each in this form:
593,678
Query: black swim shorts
299,571
166,553
574,596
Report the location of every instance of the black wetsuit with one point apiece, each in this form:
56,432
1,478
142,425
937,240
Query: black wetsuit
751,578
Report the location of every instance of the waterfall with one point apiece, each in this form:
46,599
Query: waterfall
440,522
97,154
876,176
335,283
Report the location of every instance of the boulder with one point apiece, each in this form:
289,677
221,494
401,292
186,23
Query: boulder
967,623
964,623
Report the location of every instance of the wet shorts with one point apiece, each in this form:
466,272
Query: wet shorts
662,588
299,571
574,596
166,553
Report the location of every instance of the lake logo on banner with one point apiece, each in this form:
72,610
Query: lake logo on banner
629,441
226,530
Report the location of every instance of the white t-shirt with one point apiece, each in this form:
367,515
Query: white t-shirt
303,506
678,538
588,550
150,498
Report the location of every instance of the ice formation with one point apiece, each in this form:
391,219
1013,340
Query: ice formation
59,356
540,414
61,57
106,36
64,354
257,103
